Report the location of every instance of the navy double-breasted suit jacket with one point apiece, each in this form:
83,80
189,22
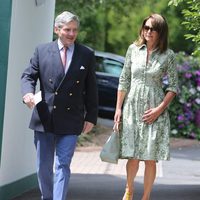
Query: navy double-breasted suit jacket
67,99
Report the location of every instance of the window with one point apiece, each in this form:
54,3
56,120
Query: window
109,66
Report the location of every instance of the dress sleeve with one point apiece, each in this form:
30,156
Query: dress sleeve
125,77
172,74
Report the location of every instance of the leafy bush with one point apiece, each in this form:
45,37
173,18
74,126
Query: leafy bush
185,109
191,21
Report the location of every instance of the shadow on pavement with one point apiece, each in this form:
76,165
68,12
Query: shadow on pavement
175,192
108,187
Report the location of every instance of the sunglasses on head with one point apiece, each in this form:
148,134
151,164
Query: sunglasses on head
147,28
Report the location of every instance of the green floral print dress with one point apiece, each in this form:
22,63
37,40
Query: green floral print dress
143,85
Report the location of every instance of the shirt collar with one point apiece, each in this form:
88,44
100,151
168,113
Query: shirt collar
145,46
60,46
142,46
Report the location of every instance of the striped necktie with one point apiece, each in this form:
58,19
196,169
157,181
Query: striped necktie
64,57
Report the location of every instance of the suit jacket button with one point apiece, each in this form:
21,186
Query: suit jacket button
50,80
70,94
56,93
68,108
54,107
77,82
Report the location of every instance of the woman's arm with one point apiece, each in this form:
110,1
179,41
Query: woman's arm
152,114
120,99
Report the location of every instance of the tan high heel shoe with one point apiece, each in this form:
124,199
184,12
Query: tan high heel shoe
128,196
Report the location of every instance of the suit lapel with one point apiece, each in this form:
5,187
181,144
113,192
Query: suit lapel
57,67
72,71
74,63
56,59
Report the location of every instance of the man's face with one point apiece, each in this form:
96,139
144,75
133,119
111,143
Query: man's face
68,33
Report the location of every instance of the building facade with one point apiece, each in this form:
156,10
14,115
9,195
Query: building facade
24,24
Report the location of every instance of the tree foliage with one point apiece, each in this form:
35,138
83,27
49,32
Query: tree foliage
126,30
112,25
191,21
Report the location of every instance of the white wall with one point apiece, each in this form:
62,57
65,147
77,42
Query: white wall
30,25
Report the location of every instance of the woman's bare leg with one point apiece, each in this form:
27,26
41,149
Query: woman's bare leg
149,177
131,170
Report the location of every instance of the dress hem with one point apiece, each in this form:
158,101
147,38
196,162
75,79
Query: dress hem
143,159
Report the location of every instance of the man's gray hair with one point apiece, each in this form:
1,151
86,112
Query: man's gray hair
65,18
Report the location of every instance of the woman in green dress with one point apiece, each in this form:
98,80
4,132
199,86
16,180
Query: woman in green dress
145,121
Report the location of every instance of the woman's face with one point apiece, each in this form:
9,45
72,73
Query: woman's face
149,32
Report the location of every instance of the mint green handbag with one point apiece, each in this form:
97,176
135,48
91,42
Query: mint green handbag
110,150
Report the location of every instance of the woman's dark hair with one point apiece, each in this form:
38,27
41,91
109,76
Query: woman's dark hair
160,25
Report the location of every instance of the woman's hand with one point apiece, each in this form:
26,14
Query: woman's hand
151,115
118,111
117,116
117,119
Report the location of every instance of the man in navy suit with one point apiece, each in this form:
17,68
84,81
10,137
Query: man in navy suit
68,106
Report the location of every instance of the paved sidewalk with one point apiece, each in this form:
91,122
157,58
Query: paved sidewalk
87,161
91,179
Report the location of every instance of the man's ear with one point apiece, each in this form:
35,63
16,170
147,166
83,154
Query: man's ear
56,29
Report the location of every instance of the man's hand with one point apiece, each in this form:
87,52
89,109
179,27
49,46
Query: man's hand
29,100
87,127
